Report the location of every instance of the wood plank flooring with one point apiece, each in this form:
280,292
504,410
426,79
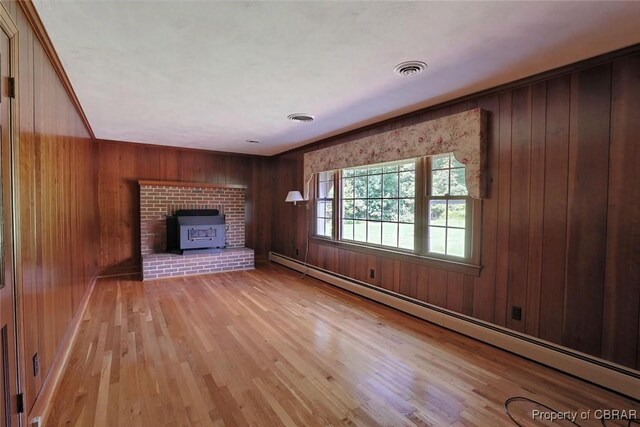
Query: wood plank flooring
268,348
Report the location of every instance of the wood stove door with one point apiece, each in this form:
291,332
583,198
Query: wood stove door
8,342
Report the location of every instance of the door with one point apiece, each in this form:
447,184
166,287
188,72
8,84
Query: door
8,355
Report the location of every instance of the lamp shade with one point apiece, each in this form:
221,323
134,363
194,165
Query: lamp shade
294,196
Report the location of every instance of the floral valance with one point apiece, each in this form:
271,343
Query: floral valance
464,134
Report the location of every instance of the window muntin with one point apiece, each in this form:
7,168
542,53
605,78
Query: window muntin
378,204
324,204
448,208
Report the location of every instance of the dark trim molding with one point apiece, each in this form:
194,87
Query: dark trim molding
41,33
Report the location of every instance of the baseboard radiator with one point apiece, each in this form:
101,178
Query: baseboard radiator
604,373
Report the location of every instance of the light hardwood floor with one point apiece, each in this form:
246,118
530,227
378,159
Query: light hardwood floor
267,347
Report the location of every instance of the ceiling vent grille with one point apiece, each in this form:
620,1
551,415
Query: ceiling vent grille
410,68
300,117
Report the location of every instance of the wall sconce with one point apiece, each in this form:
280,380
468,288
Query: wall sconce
294,196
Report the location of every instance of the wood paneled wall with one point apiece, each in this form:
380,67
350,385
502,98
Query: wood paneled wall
561,225
57,206
123,164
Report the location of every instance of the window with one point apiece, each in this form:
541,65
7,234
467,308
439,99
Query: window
419,206
324,204
378,204
448,204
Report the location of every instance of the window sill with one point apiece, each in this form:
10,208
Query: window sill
443,264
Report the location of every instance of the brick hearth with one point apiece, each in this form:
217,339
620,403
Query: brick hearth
159,199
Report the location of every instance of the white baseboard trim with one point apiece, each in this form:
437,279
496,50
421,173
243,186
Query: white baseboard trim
599,371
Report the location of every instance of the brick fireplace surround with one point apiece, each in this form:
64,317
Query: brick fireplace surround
158,199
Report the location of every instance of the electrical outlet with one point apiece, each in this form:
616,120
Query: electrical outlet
372,274
36,364
516,312
36,422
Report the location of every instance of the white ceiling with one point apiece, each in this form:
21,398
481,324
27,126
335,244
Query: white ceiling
212,74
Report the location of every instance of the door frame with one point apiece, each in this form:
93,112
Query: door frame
8,25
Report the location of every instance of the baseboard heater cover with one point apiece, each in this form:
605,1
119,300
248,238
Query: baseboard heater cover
599,371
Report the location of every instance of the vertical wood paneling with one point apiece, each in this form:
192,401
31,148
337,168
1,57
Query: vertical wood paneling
361,266
351,270
455,291
122,165
127,199
559,226
468,294
620,337
519,209
192,164
409,280
109,208
587,215
555,209
320,256
437,287
169,165
423,284
43,141
343,262
314,254
536,207
261,212
58,211
387,273
504,210
278,214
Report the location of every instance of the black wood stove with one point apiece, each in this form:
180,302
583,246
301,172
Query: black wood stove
192,231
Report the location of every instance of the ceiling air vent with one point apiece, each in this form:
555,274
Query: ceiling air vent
300,117
410,68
